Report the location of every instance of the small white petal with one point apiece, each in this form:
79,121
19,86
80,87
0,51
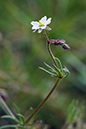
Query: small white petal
40,30
35,27
43,19
35,30
34,23
48,21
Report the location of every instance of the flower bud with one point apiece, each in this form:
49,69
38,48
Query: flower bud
52,41
57,42
65,46
61,42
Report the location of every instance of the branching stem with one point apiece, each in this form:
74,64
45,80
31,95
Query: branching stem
55,85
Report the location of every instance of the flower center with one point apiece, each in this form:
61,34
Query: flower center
41,24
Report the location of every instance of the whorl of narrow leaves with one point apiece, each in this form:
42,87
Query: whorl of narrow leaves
62,72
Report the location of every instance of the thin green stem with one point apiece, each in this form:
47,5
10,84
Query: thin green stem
44,101
46,35
49,50
51,54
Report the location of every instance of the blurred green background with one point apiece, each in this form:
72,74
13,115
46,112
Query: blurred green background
22,52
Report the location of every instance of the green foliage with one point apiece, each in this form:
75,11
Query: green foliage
75,111
21,117
19,123
53,73
10,117
57,72
8,126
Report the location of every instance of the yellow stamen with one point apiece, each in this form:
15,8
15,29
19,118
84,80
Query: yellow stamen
40,23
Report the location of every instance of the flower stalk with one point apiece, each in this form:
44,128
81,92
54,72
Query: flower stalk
44,101
49,50
39,26
55,85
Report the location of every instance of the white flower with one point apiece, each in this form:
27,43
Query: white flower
41,25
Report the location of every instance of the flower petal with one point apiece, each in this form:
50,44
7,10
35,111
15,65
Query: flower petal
34,23
35,30
48,21
40,30
43,19
35,27
43,27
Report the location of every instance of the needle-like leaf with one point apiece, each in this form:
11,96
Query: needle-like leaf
17,110
8,126
48,72
51,68
58,70
60,65
10,117
22,117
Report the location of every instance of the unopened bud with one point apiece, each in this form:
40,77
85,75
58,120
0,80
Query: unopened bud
65,46
57,42
61,42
